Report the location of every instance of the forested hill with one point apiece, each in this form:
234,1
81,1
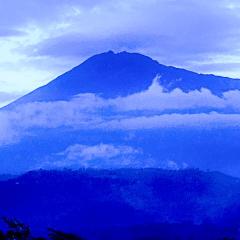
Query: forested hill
76,201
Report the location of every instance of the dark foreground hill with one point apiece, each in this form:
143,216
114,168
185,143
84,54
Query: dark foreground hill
125,203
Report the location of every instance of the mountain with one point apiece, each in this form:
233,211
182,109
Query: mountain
119,74
111,202
126,110
137,130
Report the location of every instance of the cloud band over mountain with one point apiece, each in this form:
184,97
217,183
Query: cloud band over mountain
152,108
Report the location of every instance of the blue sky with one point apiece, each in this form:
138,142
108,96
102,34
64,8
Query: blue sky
42,39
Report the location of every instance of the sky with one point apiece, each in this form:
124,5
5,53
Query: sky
40,40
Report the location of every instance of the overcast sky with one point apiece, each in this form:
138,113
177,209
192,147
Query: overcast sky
40,39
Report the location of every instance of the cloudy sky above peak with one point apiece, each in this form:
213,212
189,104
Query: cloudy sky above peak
42,39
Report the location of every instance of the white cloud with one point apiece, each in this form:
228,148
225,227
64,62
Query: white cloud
98,151
155,109
87,156
200,120
170,164
8,132
154,98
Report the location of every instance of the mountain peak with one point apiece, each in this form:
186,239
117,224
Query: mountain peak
108,74
110,52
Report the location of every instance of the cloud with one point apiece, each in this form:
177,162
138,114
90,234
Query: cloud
8,132
73,45
152,108
200,120
39,12
8,32
155,98
177,33
6,97
170,164
88,156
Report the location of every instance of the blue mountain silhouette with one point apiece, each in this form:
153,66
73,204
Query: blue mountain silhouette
111,75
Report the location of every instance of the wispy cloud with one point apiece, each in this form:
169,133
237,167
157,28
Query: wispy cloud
199,120
90,155
156,98
153,108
